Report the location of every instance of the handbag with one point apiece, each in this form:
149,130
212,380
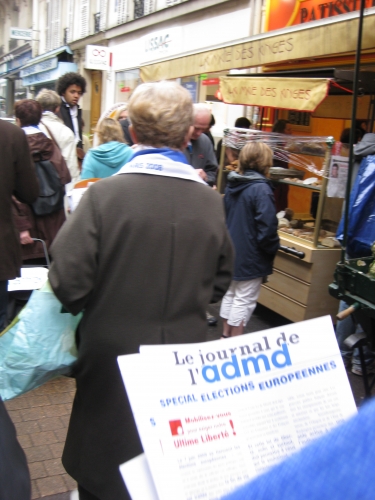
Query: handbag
38,345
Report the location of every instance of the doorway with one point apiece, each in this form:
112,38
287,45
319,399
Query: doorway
96,98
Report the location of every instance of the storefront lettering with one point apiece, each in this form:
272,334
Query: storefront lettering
330,9
158,43
295,94
268,91
224,57
276,47
244,53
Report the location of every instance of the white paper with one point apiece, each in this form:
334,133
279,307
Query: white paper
338,175
74,196
137,477
32,278
211,416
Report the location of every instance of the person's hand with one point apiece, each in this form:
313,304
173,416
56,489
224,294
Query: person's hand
25,238
214,187
202,174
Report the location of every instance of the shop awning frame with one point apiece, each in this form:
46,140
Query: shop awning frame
48,55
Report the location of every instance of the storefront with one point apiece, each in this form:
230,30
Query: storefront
43,71
10,72
298,289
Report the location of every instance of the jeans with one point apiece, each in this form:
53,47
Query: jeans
344,329
3,303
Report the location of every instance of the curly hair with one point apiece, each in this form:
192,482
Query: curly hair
69,79
28,111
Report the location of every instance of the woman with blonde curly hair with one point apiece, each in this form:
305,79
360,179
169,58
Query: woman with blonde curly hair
111,154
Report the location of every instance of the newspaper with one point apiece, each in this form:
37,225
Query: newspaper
214,415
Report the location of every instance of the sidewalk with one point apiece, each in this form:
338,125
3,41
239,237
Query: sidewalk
42,417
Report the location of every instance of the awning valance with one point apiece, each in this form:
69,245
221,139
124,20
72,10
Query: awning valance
300,94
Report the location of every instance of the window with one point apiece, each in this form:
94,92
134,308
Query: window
84,18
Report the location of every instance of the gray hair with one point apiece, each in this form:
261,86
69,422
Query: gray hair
161,114
200,108
48,99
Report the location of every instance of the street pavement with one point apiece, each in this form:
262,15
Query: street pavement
41,417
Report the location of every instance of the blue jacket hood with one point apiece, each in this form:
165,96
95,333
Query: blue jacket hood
112,154
238,182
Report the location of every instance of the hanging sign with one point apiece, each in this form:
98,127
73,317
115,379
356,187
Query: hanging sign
300,94
211,81
97,57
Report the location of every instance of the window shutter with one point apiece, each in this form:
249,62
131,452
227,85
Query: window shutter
70,12
122,11
103,14
48,26
55,24
149,7
84,18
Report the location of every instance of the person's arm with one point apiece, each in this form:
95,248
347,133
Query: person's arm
26,181
75,255
211,165
266,220
68,150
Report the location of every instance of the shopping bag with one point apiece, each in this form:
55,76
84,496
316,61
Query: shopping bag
38,345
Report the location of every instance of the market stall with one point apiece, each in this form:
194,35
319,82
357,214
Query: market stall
297,289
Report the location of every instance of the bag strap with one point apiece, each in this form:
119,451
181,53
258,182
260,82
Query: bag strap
50,133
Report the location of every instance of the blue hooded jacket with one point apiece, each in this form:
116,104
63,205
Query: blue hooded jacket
105,160
252,224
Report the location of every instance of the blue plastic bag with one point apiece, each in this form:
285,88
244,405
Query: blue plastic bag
38,345
361,227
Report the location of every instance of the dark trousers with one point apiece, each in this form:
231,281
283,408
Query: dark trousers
3,303
14,473
85,495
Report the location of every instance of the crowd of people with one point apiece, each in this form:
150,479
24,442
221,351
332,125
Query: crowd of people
148,248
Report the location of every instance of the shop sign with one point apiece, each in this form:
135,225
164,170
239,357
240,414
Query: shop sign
301,94
310,42
97,57
21,34
19,61
191,87
40,67
284,13
211,81
49,76
161,44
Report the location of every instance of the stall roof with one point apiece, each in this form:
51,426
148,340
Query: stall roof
344,78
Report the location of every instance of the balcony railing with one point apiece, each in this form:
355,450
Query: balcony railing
97,22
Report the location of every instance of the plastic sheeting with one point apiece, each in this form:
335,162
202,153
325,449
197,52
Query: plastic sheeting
302,152
361,227
38,345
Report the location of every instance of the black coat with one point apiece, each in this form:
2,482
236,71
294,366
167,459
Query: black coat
18,177
67,119
14,473
252,224
143,256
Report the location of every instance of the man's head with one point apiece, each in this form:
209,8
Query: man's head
71,86
202,120
27,112
242,122
161,115
49,100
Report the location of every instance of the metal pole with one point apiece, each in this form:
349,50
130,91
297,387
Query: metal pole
352,129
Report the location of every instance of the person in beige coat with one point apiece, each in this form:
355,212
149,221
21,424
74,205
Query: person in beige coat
142,256
55,129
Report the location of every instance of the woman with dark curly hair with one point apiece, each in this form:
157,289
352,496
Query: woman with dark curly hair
70,88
